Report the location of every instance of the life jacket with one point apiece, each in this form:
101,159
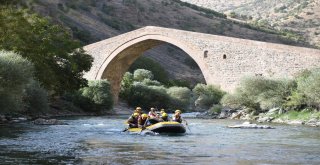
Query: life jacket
152,114
142,121
177,118
133,121
165,118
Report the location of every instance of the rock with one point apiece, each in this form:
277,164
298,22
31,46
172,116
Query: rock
225,113
296,122
42,121
236,116
312,122
273,111
265,119
246,117
249,125
278,120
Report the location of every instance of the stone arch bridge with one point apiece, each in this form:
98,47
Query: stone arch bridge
222,60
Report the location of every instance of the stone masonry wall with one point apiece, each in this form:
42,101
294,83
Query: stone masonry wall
223,60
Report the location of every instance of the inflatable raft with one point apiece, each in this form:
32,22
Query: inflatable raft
162,127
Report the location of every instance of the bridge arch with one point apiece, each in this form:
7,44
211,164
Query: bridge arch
120,59
223,60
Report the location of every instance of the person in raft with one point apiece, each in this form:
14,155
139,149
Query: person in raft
143,121
177,116
133,120
152,114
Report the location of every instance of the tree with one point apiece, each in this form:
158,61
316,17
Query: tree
99,93
207,95
58,59
15,74
180,97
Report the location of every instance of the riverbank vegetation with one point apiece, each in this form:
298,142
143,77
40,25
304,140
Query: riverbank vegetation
295,99
140,89
39,61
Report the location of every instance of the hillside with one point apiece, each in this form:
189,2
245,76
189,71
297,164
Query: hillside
95,20
300,16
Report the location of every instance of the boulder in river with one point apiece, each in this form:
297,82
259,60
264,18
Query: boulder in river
42,121
250,125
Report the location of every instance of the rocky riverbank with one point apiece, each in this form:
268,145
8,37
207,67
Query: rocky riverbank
275,115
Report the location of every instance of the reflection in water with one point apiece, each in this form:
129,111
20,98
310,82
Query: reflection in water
97,140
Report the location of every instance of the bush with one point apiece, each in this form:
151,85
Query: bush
126,85
154,67
141,74
15,73
35,98
238,100
308,86
149,82
207,95
260,93
148,96
99,93
180,97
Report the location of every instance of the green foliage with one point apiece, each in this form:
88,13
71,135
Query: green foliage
18,90
83,35
148,96
58,59
309,88
154,67
149,82
238,100
260,93
215,109
180,97
141,74
207,95
99,93
304,115
35,98
15,74
126,85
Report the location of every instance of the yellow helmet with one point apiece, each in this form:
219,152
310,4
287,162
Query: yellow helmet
177,111
138,108
162,110
144,115
135,114
164,115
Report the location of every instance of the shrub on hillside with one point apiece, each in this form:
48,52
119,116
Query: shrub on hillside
15,73
207,95
180,97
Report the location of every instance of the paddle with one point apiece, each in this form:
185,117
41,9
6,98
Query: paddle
187,125
124,130
144,125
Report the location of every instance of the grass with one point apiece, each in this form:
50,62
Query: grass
303,115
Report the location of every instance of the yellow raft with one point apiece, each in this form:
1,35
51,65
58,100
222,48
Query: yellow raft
162,127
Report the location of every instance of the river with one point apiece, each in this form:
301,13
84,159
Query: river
99,140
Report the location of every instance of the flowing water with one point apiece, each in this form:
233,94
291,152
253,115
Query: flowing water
99,140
